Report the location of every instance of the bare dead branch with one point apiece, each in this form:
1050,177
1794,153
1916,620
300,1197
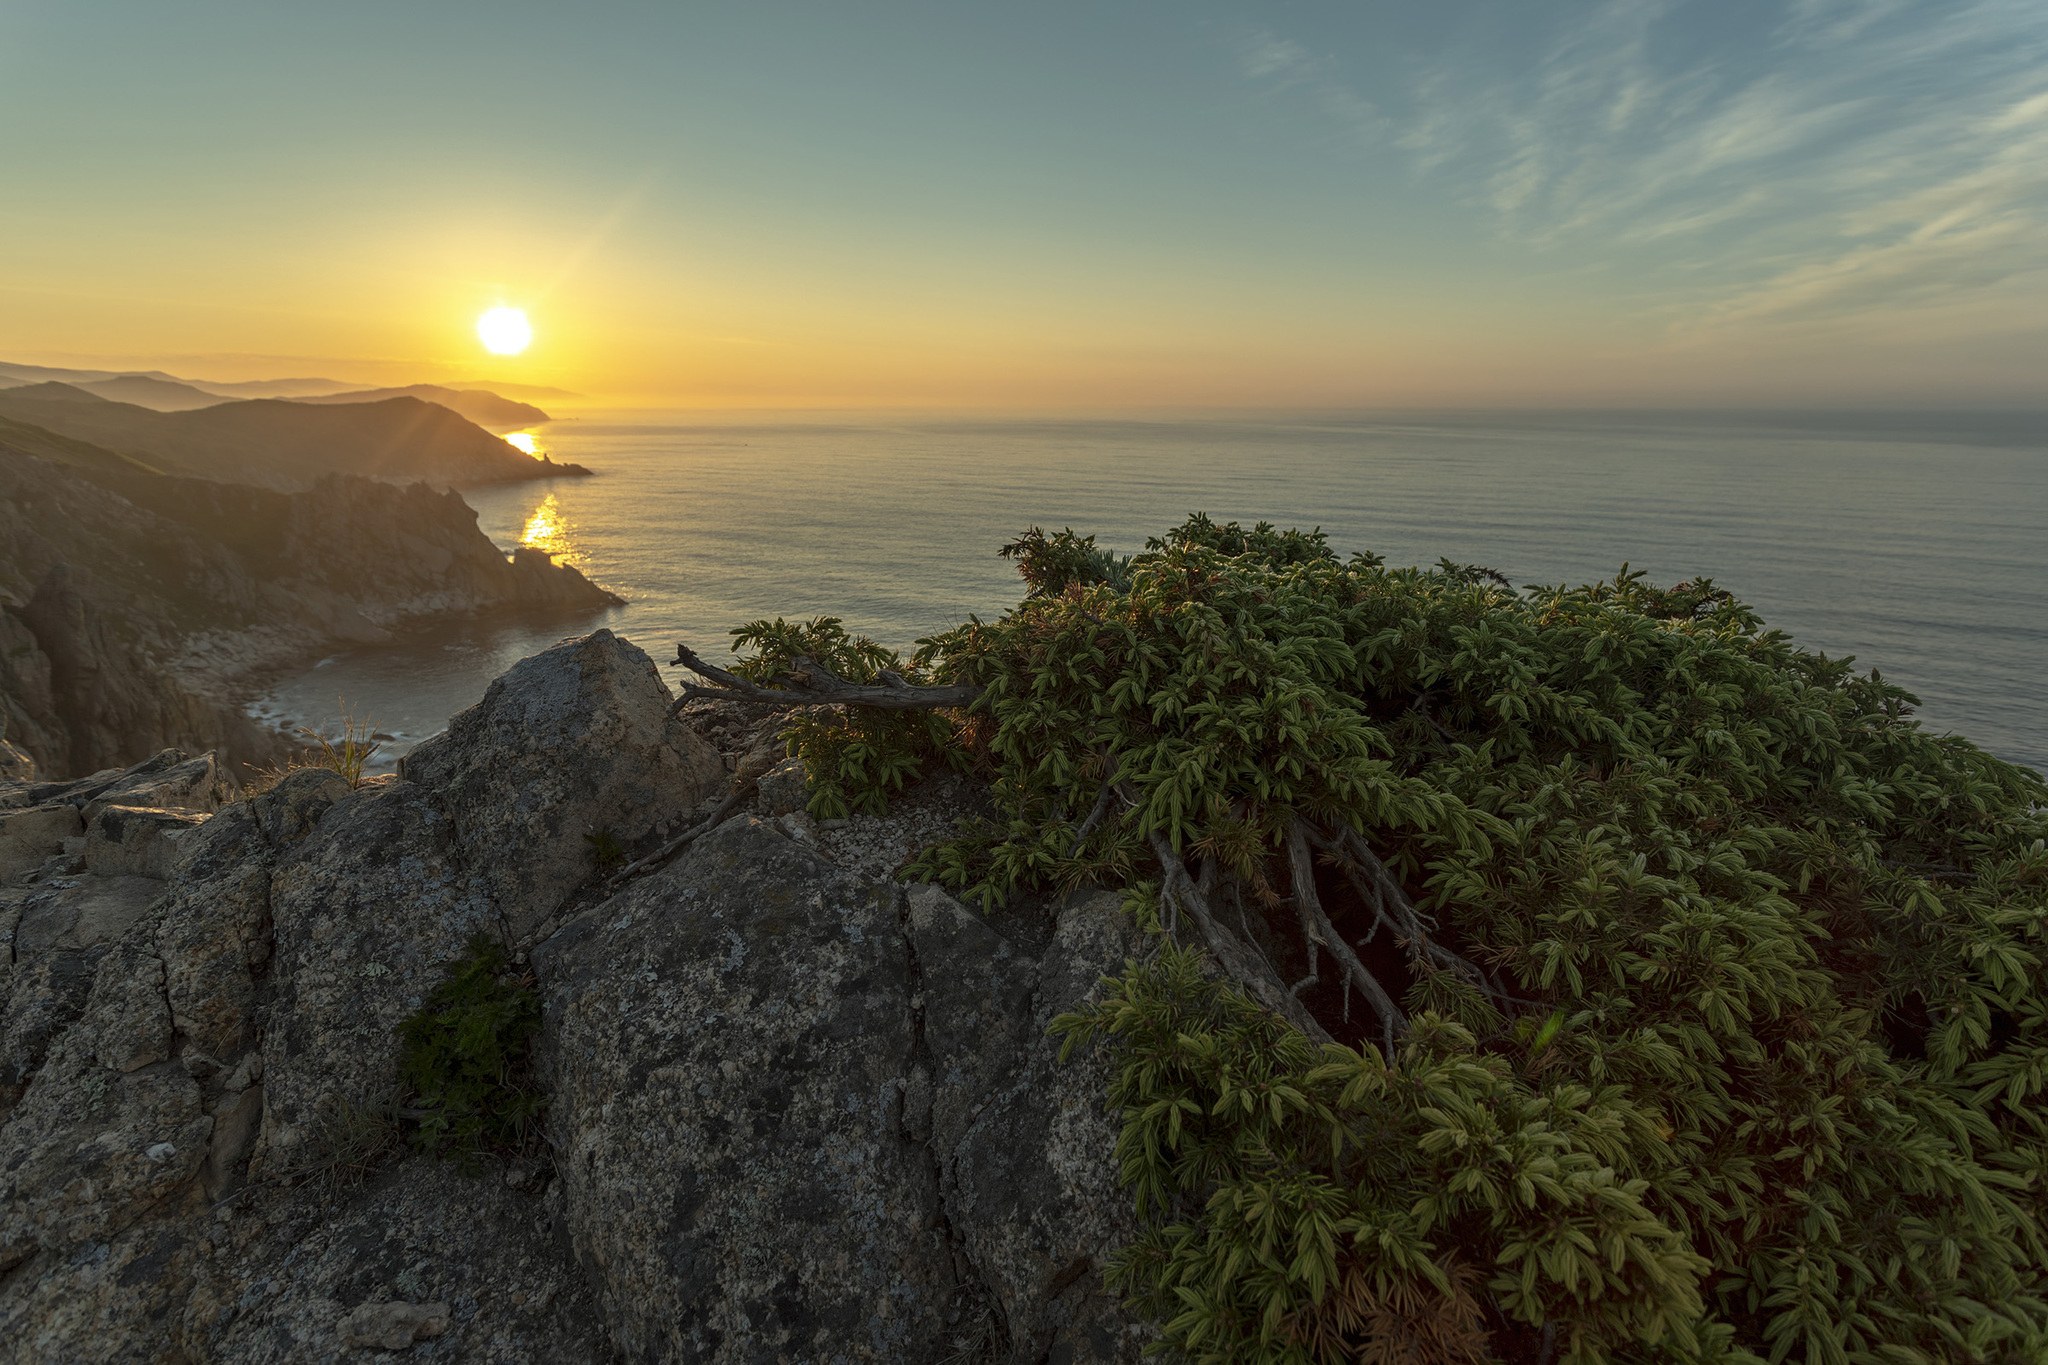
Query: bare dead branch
675,845
809,683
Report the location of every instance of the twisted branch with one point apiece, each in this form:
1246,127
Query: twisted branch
809,683
1315,923
1352,855
1239,963
1101,805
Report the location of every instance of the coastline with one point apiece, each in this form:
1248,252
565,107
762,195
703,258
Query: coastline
146,611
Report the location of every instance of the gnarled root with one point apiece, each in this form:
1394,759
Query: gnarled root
1347,849
1316,927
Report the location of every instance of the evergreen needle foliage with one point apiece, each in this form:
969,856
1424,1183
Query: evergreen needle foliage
465,1058
1722,1025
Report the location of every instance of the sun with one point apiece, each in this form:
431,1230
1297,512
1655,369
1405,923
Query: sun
504,331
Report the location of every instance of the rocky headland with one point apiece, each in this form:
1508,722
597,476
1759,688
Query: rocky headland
140,611
796,1110
286,444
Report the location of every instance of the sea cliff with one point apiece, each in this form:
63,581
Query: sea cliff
140,611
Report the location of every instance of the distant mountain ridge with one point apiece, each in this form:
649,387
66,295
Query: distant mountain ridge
479,406
162,395
309,387
159,395
284,444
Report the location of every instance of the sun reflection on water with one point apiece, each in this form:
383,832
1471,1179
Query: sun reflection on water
526,441
549,529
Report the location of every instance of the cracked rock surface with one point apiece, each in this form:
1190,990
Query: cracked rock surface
799,1111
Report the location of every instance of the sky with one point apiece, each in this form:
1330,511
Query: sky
1045,205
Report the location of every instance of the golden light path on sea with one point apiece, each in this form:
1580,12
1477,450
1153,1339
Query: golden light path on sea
525,440
549,529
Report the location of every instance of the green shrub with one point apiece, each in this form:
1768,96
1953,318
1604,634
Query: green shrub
606,852
855,760
465,1059
1721,1031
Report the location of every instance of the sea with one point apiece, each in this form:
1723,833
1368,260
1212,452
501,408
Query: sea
1915,542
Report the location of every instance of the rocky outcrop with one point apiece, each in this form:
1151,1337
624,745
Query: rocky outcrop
566,744
799,1111
139,611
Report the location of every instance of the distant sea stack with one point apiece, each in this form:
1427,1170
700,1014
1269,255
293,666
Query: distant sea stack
286,444
140,611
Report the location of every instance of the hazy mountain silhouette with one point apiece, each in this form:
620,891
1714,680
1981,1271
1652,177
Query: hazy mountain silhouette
160,395
478,405
50,391
284,444
79,455
36,374
272,388
15,373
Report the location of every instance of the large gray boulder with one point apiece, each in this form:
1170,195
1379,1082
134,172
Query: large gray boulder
214,929
571,741
169,779
136,841
29,836
56,934
109,1126
790,1111
1026,1151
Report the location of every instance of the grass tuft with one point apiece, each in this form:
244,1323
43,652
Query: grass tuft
347,754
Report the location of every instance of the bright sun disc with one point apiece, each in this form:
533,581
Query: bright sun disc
504,331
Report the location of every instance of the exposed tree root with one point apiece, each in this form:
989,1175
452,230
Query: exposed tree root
1316,926
1240,962
807,682
1347,850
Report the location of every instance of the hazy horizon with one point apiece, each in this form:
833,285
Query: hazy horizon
1806,204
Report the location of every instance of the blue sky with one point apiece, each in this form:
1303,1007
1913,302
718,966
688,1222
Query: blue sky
1044,205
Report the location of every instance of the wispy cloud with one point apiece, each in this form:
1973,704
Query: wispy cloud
1855,157
1282,64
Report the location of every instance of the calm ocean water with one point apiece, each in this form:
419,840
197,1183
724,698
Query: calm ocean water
1917,543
